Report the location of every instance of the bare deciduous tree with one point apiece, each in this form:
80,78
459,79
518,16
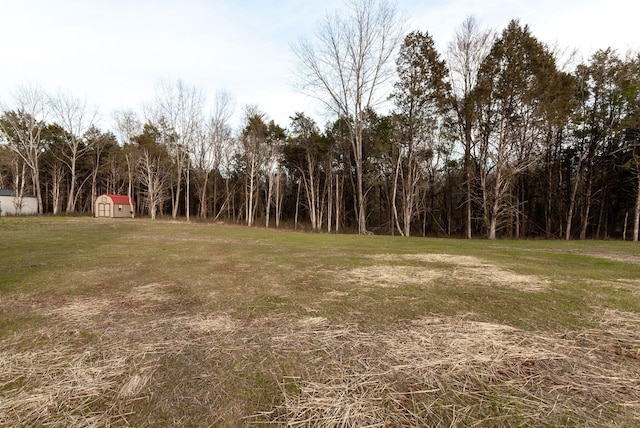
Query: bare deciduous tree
253,140
99,142
304,153
22,129
151,173
208,150
467,50
75,118
128,126
345,67
178,110
272,165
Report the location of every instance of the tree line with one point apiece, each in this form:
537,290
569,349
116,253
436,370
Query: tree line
492,137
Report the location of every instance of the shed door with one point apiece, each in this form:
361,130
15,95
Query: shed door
104,210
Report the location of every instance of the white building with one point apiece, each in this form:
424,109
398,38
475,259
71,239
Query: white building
12,205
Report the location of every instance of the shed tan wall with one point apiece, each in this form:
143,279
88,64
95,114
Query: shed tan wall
122,211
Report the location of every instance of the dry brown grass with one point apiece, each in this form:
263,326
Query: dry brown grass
617,257
63,385
209,324
391,276
433,371
461,269
443,371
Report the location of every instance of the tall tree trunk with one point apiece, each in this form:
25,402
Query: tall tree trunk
329,181
517,213
72,187
549,197
187,193
56,187
36,186
337,204
203,196
467,179
495,206
361,213
574,195
587,209
176,195
394,197
295,220
278,199
269,196
636,215
250,195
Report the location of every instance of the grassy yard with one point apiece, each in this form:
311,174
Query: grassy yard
139,323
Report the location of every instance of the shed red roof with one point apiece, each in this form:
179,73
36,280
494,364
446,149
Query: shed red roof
121,199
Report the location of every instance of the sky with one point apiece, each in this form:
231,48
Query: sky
114,53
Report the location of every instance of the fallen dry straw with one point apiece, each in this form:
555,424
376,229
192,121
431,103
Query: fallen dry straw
435,371
64,386
442,371
464,269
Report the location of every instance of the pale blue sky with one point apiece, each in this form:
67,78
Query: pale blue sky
113,52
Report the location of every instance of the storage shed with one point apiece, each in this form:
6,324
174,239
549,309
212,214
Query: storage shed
12,205
114,206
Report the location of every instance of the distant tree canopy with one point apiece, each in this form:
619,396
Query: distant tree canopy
490,138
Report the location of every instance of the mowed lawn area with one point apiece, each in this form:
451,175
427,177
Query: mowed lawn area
140,323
